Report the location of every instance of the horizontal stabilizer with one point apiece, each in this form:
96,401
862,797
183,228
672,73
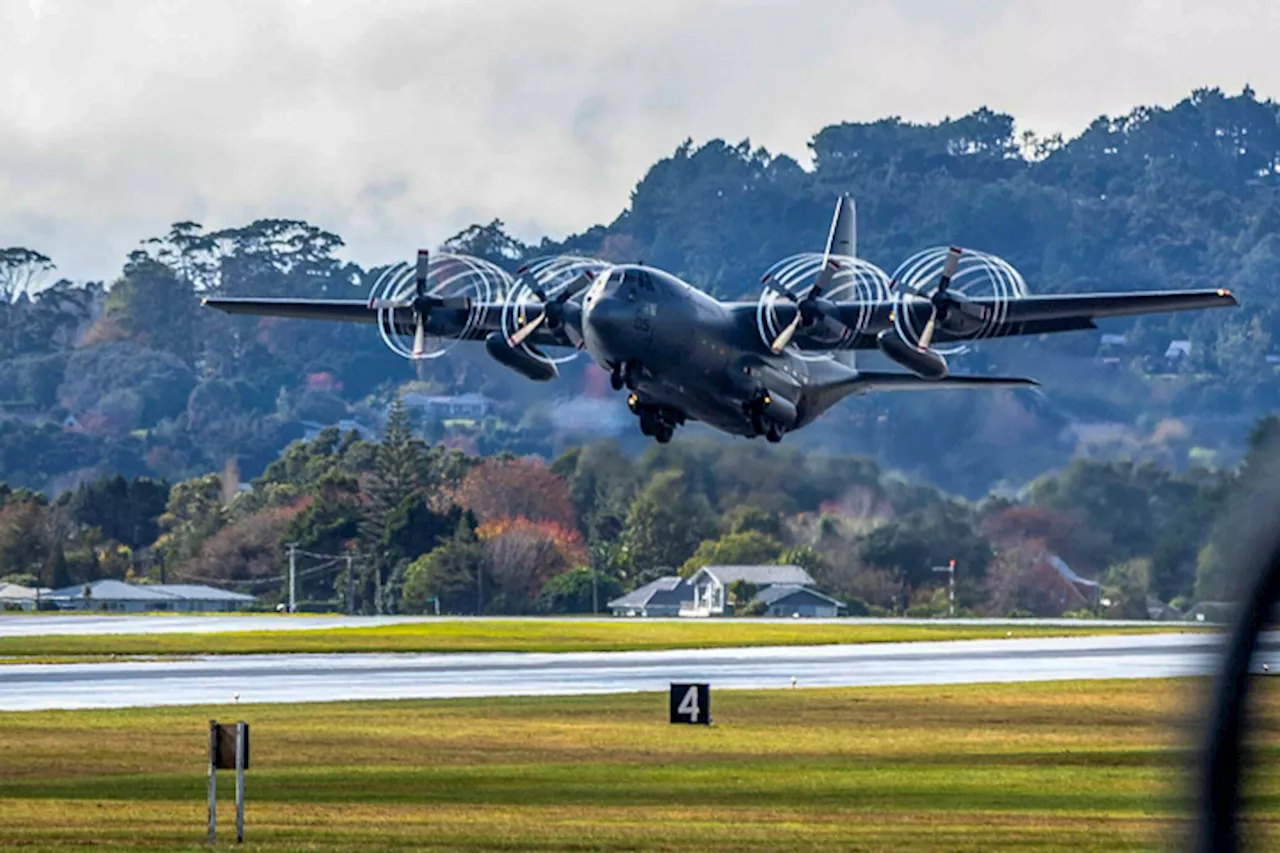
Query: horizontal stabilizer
876,380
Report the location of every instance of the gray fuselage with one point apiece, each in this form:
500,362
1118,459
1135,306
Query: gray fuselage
690,353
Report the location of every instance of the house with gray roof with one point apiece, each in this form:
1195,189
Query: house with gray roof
14,595
787,599
663,597
120,597
713,587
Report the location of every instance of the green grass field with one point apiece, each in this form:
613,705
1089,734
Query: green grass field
531,635
1081,766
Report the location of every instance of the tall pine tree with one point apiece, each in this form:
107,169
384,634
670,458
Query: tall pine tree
396,479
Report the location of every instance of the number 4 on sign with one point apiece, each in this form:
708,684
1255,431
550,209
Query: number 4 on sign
691,704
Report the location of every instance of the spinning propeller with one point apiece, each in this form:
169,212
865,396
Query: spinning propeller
422,303
554,308
811,308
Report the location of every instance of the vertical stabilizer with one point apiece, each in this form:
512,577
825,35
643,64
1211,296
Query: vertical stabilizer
843,239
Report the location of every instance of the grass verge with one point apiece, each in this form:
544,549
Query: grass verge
534,635
1078,766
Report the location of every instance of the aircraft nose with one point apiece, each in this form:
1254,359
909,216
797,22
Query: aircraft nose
605,325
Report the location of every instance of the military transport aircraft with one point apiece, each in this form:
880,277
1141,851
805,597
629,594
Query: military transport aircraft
762,367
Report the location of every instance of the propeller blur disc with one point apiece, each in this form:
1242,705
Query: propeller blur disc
854,280
522,306
978,275
475,281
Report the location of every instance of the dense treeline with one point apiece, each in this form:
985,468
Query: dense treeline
133,377
427,527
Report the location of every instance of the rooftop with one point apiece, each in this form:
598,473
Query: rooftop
108,589
766,575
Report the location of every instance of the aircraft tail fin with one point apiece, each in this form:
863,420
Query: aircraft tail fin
843,237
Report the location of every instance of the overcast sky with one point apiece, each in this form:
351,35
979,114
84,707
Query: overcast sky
396,123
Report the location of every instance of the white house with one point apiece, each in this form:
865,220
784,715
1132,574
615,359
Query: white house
712,586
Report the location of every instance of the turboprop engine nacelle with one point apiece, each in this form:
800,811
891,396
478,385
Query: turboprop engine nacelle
518,359
922,362
780,409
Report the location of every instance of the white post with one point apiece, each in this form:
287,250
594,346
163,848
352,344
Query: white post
293,577
351,588
240,746
213,777
950,569
951,588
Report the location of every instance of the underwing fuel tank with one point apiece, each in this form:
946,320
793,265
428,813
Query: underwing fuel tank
924,363
518,359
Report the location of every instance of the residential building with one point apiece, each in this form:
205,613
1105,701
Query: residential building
713,588
469,406
121,597
663,597
787,599
22,597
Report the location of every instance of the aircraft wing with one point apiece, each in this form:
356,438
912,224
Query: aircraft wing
885,380
471,324
1092,306
1031,315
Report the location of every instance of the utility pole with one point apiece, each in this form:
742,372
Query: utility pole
950,569
479,591
293,576
595,594
351,588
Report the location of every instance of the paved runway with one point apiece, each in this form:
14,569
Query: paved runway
315,678
30,625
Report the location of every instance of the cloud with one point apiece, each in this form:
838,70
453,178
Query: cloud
397,123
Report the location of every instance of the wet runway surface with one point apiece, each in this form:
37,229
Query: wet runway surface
317,678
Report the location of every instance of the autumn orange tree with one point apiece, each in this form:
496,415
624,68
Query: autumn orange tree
510,488
523,555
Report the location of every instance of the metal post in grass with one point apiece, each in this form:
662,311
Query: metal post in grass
213,778
950,569
242,759
228,750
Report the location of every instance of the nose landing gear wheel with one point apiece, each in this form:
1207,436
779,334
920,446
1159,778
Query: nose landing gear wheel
774,434
624,375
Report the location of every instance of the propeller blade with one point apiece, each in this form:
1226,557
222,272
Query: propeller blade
420,336
575,287
420,281
949,269
526,330
531,282
926,337
769,282
780,343
829,270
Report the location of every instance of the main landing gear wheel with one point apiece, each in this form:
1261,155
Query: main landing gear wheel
658,422
774,433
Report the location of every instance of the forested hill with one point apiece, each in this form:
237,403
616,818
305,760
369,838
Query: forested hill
132,376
